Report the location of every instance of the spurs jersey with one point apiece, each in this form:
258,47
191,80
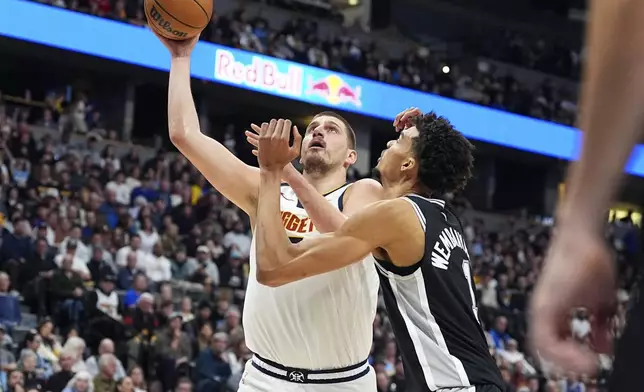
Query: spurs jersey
433,310
322,322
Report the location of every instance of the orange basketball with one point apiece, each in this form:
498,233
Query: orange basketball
178,19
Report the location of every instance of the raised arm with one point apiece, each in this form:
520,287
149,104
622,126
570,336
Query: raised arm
237,181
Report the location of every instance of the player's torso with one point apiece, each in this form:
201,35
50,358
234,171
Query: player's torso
320,322
433,310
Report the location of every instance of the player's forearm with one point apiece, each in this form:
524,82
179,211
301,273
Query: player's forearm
182,113
324,215
273,245
611,110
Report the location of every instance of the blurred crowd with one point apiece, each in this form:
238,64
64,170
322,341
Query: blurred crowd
135,270
125,271
300,41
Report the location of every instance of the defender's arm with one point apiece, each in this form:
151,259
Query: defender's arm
325,216
279,262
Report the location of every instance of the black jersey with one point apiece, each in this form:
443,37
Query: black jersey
433,311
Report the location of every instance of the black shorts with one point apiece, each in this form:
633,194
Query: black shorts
627,374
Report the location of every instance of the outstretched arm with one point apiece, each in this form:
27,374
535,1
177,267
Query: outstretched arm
237,181
279,262
325,216
611,113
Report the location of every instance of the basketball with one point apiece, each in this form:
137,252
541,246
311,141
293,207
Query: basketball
178,19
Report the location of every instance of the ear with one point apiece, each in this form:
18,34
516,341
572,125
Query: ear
352,158
408,165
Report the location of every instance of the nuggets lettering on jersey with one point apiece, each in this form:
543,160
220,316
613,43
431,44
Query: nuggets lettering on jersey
448,240
304,324
297,225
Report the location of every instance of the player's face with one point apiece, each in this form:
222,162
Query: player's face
326,145
398,158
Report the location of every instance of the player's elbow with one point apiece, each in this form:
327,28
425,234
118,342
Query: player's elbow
268,278
178,137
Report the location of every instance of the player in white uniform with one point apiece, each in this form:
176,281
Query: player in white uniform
314,336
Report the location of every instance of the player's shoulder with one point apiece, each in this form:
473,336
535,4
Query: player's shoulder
361,193
365,184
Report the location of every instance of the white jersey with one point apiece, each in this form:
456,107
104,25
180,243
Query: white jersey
321,322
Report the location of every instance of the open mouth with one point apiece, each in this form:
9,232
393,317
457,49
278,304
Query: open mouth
317,144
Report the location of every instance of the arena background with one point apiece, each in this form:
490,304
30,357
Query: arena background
91,182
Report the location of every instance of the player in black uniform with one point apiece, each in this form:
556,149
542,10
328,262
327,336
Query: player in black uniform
423,259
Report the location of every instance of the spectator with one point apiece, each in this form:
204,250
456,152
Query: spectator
59,380
148,234
238,239
67,287
183,268
7,360
203,338
33,377
174,351
15,381
184,385
157,267
75,348
81,382
104,380
139,286
127,274
138,380
97,265
205,267
120,188
498,334
74,241
125,384
144,322
186,310
211,368
133,247
9,303
106,347
78,264
50,347
16,247
32,344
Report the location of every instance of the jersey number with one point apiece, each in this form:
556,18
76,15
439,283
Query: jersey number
468,277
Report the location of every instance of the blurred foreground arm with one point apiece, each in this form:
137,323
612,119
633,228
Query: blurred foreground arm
611,109
579,270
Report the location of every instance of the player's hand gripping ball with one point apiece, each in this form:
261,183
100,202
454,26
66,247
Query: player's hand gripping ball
178,19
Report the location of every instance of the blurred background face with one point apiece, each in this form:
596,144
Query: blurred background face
82,385
325,145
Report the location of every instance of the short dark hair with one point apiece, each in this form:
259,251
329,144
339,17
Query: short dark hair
351,135
444,154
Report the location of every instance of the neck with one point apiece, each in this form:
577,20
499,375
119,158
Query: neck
394,189
327,182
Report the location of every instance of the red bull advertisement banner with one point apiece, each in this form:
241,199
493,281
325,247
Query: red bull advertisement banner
287,79
47,25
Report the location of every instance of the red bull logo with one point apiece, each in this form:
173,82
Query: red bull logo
262,73
335,90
